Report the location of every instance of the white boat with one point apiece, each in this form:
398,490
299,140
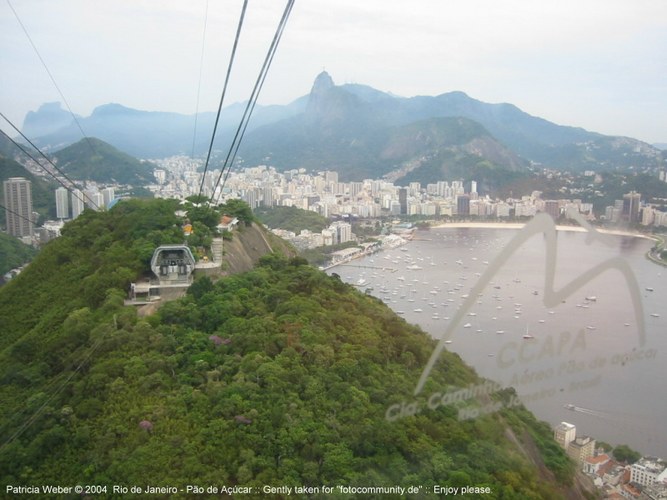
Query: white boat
417,310
414,267
527,336
655,315
467,325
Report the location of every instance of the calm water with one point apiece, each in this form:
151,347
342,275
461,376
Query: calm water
587,351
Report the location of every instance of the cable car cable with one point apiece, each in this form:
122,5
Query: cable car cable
224,91
255,93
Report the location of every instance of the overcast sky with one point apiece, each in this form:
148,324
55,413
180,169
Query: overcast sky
596,64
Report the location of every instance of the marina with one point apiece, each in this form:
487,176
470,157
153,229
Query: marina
507,333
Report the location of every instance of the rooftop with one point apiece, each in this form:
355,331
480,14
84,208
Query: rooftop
598,460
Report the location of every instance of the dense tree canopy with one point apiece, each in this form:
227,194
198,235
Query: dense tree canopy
291,219
13,253
623,453
281,376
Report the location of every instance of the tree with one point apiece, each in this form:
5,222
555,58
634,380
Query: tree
623,453
239,209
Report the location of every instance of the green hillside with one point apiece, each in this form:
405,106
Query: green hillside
278,376
13,253
291,219
92,159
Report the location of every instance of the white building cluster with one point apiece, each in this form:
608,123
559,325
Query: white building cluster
322,192
92,197
646,479
338,232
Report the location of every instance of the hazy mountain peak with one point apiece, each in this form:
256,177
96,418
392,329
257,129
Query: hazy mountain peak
328,103
113,109
47,119
323,82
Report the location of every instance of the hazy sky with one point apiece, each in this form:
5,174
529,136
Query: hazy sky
597,64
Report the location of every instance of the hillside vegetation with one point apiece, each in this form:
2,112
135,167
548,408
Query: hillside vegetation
281,375
93,159
13,253
291,219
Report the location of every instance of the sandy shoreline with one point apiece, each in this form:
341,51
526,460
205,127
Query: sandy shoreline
517,225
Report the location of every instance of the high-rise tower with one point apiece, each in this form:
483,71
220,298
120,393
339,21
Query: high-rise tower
77,203
18,200
62,203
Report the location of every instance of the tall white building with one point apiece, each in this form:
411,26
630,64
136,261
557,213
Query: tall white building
108,195
160,175
331,176
62,203
18,200
77,203
564,434
647,471
268,199
342,231
95,200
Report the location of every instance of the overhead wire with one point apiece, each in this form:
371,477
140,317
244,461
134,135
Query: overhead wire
250,106
233,148
23,150
224,91
201,66
46,158
53,80
245,126
17,214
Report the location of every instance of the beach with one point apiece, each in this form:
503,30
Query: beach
519,225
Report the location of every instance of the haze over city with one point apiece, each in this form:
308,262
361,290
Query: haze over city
594,64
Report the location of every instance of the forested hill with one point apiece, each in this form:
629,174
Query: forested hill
13,253
93,159
278,376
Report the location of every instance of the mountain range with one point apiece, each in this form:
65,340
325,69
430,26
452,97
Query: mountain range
361,132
